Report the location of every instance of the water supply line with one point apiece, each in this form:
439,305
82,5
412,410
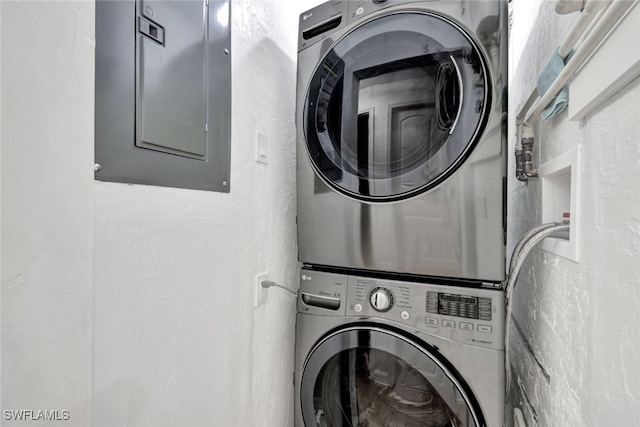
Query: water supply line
520,252
524,155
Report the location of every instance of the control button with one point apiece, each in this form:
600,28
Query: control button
431,321
449,323
358,308
405,315
381,299
465,326
484,328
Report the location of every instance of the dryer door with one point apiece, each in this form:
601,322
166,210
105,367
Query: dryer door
396,106
369,376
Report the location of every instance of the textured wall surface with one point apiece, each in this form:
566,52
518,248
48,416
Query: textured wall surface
579,318
47,184
176,338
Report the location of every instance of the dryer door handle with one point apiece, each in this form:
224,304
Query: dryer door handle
460,94
450,94
330,303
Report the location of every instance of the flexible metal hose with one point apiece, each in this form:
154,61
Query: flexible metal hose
523,240
524,246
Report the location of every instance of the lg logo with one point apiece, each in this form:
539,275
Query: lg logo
305,277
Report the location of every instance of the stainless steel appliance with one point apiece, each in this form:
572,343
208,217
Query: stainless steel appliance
380,352
401,138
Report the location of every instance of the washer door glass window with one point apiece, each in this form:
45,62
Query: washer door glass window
370,377
395,106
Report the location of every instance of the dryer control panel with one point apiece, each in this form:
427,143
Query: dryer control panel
474,316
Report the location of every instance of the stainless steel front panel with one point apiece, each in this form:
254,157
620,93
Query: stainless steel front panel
455,229
476,356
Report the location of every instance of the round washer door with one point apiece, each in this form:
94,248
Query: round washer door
395,106
370,376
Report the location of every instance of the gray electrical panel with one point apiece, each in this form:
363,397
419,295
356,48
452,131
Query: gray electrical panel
163,93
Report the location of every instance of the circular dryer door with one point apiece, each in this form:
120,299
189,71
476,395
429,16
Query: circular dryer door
367,376
395,106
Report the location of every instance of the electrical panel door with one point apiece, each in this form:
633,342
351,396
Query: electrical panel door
163,93
171,49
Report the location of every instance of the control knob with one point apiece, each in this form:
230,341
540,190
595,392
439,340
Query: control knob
381,299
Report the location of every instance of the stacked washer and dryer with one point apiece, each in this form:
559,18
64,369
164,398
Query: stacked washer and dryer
401,213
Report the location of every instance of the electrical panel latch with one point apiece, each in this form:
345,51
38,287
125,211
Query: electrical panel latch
150,29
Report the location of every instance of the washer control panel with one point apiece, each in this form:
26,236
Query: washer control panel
471,315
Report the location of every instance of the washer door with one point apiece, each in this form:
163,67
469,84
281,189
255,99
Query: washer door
369,376
395,106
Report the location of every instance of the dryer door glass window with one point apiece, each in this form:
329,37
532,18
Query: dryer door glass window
364,377
395,106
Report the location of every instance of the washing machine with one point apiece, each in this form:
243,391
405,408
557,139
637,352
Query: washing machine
379,352
401,137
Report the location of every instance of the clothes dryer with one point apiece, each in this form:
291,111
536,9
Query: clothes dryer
387,353
401,137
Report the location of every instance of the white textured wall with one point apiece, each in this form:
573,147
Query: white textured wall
580,319
176,338
46,198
